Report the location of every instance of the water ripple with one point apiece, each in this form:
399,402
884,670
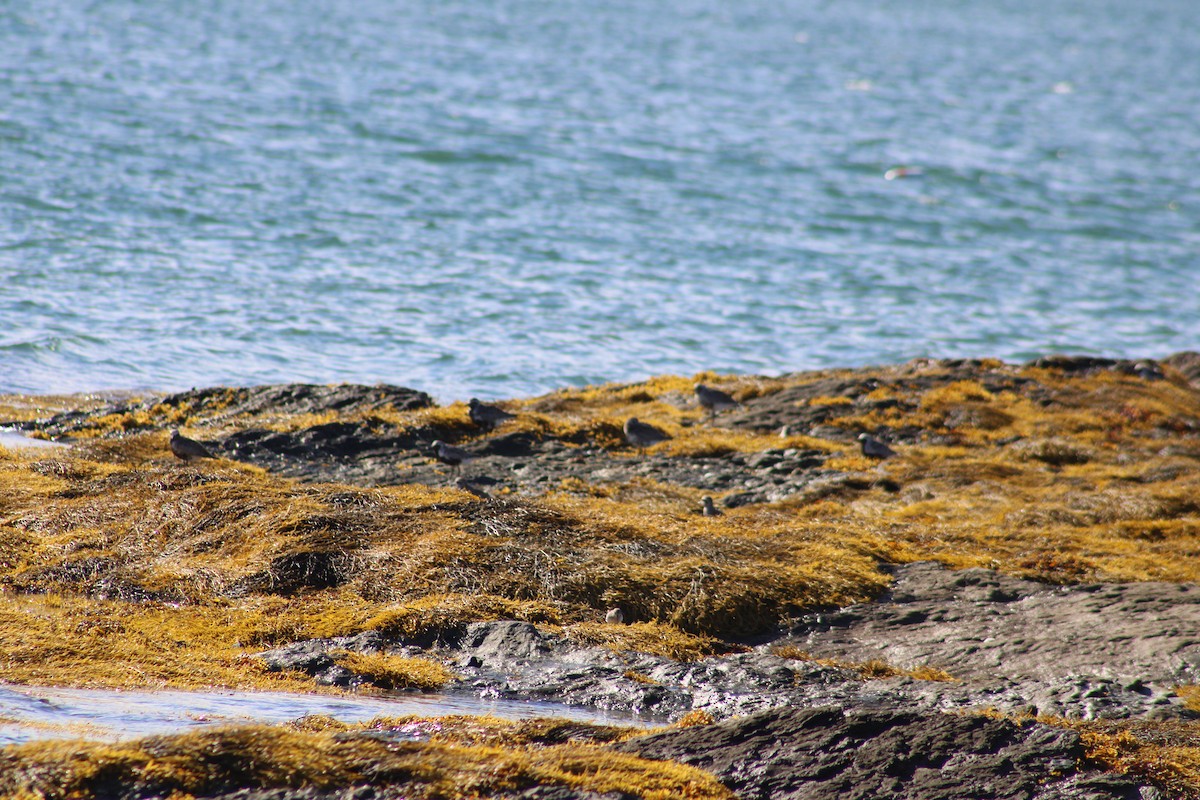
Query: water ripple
499,199
31,713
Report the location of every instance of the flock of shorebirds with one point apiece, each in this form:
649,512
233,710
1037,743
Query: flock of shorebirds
637,433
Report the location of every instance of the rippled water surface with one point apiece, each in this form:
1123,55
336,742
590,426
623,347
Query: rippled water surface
506,197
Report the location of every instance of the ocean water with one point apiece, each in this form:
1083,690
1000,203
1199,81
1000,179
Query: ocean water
501,198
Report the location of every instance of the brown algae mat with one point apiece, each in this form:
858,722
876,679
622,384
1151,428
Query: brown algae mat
325,514
458,757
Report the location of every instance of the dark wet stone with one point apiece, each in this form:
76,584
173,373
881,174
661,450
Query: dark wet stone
226,402
506,642
512,445
314,657
1146,369
1188,364
885,751
403,792
301,398
348,451
311,656
1074,363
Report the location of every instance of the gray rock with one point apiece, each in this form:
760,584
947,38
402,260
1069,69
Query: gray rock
507,642
885,751
980,625
1188,364
314,657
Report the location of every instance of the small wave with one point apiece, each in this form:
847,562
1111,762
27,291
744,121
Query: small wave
37,203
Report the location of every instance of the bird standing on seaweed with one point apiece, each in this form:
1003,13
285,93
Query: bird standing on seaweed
642,435
714,400
874,448
487,417
187,449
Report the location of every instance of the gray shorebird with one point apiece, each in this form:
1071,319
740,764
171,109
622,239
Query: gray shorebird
186,448
487,417
707,508
642,435
451,455
615,616
873,448
714,400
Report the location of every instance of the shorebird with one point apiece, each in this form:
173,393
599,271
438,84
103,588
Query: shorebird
451,455
707,508
873,448
642,435
186,448
615,616
487,417
714,400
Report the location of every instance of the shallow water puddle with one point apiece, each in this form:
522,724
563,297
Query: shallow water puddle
30,713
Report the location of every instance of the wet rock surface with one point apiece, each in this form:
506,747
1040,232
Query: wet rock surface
1017,646
360,454
402,793
979,625
885,751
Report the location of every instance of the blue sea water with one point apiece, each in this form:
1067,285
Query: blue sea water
501,198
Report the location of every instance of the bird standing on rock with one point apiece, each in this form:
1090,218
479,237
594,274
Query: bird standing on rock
642,435
873,448
451,455
714,400
186,448
487,417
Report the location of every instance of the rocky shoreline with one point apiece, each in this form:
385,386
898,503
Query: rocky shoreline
1015,648
952,683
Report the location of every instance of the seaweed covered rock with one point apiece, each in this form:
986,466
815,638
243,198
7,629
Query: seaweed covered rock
215,404
1058,498
1187,364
